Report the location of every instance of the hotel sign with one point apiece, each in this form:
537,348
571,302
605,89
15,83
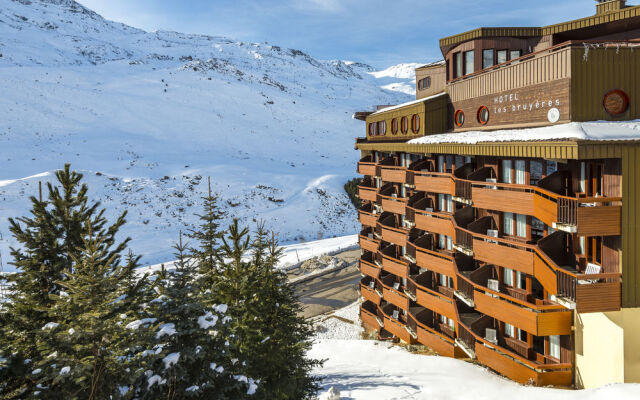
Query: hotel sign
543,104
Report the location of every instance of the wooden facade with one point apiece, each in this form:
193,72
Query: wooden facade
490,249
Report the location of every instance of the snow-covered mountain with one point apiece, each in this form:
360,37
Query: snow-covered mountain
398,78
147,116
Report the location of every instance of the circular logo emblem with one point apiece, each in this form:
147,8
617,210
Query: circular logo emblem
616,102
553,115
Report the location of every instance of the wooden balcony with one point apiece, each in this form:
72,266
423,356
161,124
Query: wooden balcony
434,222
522,370
434,182
368,292
395,297
368,315
397,327
368,193
433,260
427,295
368,216
368,266
595,216
504,253
420,322
367,166
368,240
538,320
391,231
394,262
392,203
392,173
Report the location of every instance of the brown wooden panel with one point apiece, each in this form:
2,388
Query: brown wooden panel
369,269
367,169
436,304
555,323
527,105
397,329
434,184
368,244
545,210
394,206
545,275
396,175
395,267
598,297
368,194
434,263
434,225
515,315
369,320
503,200
599,221
394,236
369,294
518,372
441,346
508,257
367,219
396,298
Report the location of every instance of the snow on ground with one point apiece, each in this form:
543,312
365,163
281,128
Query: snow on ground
372,370
147,116
597,130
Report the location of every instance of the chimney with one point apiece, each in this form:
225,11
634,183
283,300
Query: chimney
607,6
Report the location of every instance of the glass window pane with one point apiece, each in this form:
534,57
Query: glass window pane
457,61
508,277
520,172
502,56
506,171
521,225
515,54
469,62
554,346
440,163
487,58
508,223
509,330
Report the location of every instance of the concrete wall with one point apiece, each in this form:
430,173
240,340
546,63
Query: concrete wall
607,347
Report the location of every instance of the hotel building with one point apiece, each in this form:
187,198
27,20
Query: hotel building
501,209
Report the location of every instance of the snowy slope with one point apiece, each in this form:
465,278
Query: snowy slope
399,78
147,116
370,370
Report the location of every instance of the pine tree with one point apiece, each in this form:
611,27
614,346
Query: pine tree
268,332
191,342
50,239
83,354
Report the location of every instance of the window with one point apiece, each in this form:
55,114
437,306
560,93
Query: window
424,83
521,225
502,56
583,177
382,128
445,242
440,163
457,65
508,223
535,173
449,166
487,58
373,129
483,115
554,346
509,330
508,277
469,62
513,54
520,172
459,118
415,123
394,126
506,171
404,125
445,203
520,280
594,250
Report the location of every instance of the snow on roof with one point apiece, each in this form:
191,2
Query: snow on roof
597,130
409,103
433,64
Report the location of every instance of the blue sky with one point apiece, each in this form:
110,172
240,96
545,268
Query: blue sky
378,32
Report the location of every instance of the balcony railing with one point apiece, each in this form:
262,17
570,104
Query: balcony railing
368,240
370,290
394,262
368,266
391,231
434,182
367,190
390,170
367,166
368,215
420,321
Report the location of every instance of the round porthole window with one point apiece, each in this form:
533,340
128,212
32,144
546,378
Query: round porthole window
616,102
404,125
483,115
415,123
394,126
459,118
